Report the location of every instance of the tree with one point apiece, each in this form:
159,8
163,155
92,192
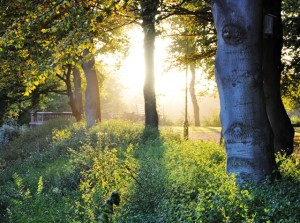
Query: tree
194,25
92,95
148,13
291,53
73,101
193,94
272,67
77,91
49,36
238,69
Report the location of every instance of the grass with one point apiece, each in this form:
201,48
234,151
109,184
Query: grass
67,176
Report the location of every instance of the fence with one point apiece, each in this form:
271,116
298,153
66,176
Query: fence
38,118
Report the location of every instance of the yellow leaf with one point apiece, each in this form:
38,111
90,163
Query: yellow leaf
57,70
43,30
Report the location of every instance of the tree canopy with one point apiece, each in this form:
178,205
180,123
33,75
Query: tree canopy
40,39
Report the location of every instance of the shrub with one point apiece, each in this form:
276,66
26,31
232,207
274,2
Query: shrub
35,140
212,121
107,173
37,206
295,119
9,131
162,179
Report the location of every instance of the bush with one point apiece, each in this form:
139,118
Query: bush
161,177
37,206
35,140
9,131
295,119
212,121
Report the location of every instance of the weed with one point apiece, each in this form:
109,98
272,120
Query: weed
161,178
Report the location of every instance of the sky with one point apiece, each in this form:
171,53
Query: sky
170,85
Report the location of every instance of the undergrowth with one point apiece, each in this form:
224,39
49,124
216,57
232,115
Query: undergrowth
63,173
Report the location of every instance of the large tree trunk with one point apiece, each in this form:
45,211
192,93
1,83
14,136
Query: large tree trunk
281,125
246,129
193,95
149,10
92,95
77,90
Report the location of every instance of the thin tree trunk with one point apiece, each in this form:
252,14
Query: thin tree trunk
77,90
193,95
92,95
246,129
149,9
74,110
281,125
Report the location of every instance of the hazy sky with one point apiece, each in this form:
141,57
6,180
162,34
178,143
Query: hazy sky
169,85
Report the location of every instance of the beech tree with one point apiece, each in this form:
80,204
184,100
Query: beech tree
238,68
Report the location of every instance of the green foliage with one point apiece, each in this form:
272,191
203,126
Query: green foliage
108,172
35,206
32,141
40,40
161,178
212,121
9,131
295,119
291,53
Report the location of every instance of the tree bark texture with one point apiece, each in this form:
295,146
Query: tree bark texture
92,95
77,90
193,95
272,45
238,69
149,10
74,110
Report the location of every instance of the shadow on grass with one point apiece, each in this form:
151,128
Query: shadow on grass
151,180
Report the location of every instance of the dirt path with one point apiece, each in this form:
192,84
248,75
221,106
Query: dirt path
205,136
201,133
213,134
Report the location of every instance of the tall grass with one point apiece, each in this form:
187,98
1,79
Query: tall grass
69,173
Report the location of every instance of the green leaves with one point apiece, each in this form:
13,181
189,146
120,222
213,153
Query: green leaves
291,52
165,179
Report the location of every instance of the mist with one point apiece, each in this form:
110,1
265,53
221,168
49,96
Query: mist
170,84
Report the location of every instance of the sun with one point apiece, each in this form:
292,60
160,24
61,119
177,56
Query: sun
169,85
132,72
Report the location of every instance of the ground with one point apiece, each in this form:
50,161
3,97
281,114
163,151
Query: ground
214,134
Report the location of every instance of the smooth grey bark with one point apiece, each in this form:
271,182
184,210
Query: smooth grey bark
280,122
92,95
238,69
193,95
149,10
